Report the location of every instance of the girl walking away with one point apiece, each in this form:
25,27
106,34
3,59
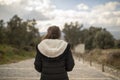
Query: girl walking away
53,58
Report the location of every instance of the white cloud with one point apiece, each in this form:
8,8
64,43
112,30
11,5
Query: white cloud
39,5
26,9
47,14
102,15
82,7
106,14
110,6
8,2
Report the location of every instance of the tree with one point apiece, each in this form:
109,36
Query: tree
104,39
72,33
96,37
117,43
33,33
84,35
88,35
15,31
2,32
22,33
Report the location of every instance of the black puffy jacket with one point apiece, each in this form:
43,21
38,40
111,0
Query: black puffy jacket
53,59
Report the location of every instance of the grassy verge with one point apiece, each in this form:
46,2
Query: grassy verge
9,54
109,57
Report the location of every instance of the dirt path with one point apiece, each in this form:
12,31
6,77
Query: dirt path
24,70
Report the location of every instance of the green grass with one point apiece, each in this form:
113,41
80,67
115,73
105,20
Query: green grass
9,54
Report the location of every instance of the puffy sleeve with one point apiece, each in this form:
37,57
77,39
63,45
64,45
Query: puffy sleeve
38,61
69,63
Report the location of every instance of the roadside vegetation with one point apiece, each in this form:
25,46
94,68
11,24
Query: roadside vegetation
9,54
108,57
100,44
18,39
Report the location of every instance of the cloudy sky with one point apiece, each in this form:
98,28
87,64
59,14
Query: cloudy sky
100,13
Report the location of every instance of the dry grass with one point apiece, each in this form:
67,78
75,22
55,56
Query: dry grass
110,57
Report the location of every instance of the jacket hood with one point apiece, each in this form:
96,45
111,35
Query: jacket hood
52,47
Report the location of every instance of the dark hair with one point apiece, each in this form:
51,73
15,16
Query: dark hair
53,32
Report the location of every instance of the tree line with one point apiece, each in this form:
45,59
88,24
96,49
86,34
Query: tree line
93,37
19,33
23,34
